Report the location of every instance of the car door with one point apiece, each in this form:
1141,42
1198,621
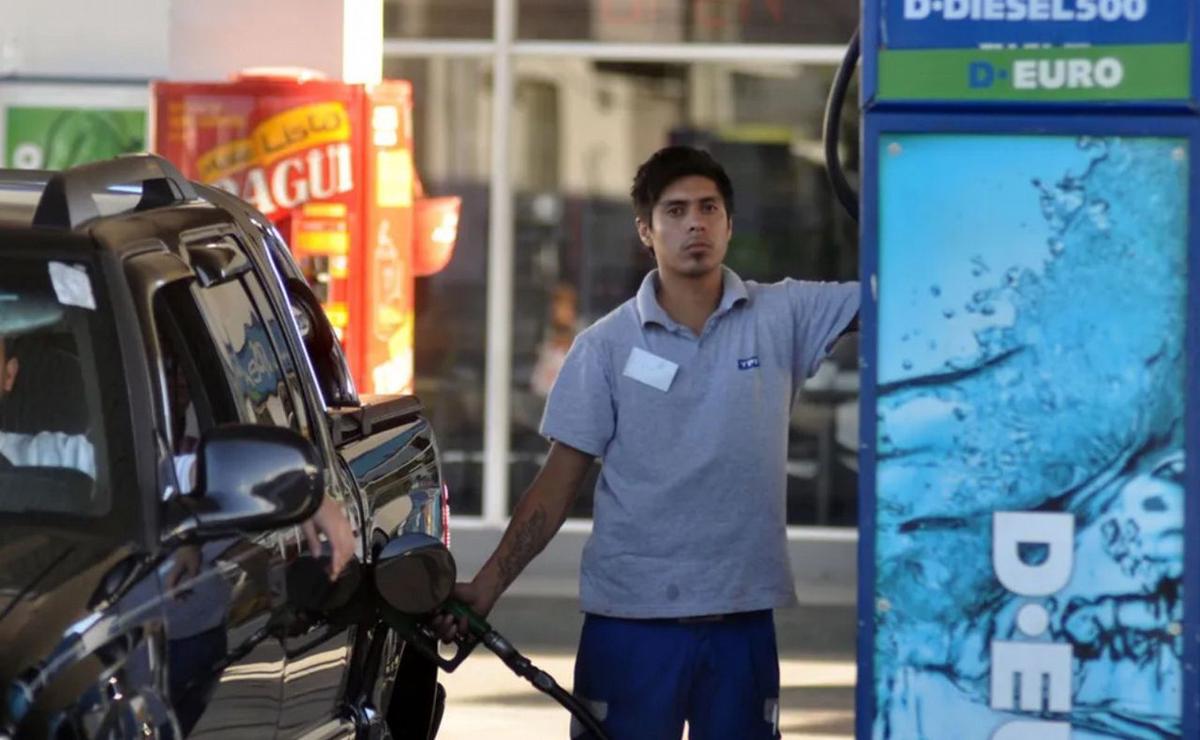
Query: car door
395,476
267,390
223,597
81,634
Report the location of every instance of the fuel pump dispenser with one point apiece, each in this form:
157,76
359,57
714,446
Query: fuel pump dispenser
1028,551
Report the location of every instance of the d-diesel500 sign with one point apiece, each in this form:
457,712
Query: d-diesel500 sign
1034,50
928,24
1027,10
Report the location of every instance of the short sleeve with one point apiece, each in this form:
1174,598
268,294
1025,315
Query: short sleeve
580,411
185,471
820,312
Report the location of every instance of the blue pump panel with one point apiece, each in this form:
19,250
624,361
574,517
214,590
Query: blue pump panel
1028,567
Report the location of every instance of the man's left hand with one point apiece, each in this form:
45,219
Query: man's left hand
331,520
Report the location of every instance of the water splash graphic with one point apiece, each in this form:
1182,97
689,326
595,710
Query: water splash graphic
1055,382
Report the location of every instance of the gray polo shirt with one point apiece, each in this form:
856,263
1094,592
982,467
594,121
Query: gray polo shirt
690,505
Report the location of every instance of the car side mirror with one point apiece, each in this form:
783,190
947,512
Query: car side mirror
251,478
414,573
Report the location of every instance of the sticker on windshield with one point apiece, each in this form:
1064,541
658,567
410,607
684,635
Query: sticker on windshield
72,285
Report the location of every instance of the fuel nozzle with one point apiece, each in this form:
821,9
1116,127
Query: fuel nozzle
477,625
415,559
480,631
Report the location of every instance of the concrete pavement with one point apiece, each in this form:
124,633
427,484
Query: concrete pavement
485,700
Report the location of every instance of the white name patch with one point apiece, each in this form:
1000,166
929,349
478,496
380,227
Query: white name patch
646,367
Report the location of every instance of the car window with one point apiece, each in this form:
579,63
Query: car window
279,344
60,395
257,380
187,403
190,376
326,363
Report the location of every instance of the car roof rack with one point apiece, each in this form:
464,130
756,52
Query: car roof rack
70,196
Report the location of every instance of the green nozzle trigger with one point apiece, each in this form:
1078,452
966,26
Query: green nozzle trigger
478,625
417,632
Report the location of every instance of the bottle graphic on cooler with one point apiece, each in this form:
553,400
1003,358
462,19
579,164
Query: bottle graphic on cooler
392,326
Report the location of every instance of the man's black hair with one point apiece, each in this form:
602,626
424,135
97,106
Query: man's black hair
668,165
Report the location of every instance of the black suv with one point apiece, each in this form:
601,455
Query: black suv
174,406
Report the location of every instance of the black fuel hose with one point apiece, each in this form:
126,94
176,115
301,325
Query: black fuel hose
542,681
833,118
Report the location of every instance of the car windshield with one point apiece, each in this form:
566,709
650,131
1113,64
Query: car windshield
58,375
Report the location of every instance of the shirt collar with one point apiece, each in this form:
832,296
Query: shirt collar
733,292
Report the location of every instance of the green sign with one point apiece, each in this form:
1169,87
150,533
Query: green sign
1092,74
56,138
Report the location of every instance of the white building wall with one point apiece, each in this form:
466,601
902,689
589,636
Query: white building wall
213,39
188,39
83,39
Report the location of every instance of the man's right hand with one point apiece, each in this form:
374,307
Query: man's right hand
475,596
538,515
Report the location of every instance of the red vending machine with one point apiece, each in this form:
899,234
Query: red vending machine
331,164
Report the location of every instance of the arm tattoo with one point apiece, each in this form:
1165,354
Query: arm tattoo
528,540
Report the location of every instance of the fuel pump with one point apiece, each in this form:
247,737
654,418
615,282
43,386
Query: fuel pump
1027,563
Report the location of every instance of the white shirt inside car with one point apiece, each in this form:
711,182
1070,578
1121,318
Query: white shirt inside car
49,449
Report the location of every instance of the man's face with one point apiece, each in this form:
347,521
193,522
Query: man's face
690,229
8,370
